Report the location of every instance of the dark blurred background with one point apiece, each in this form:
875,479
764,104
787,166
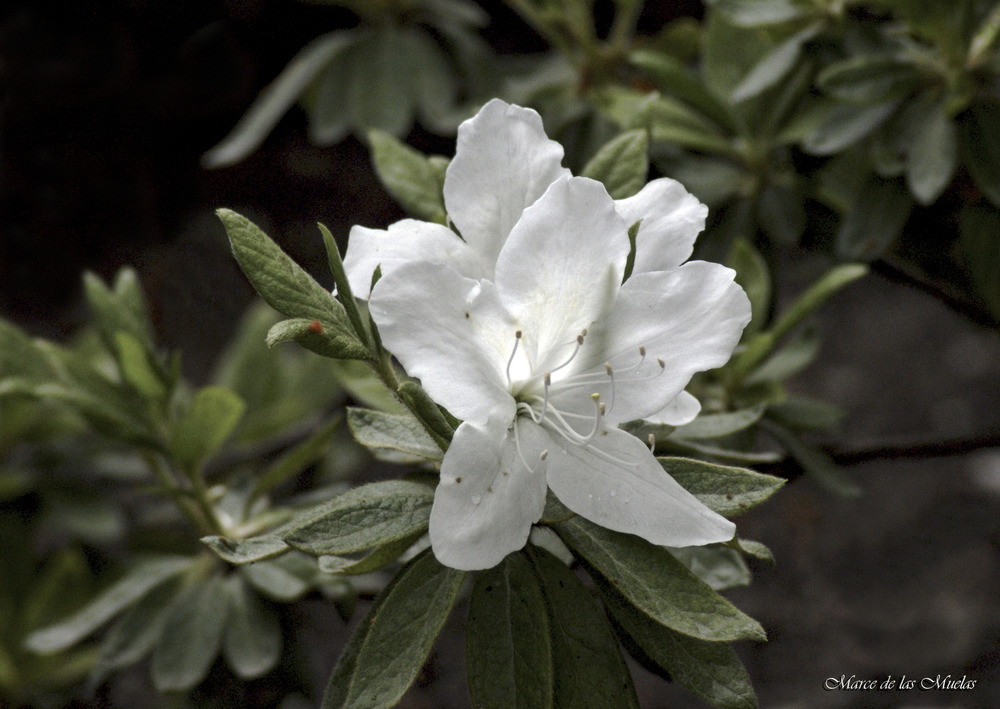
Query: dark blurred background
106,110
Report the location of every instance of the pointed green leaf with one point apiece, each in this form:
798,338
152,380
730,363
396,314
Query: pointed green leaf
720,567
709,670
318,336
588,670
871,78
284,579
365,517
192,636
275,100
205,425
409,176
397,432
845,124
19,357
817,464
279,280
251,642
657,583
508,652
621,164
726,490
774,66
138,368
933,156
390,645
121,308
135,634
247,551
135,584
817,294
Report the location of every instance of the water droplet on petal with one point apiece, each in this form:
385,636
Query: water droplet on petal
476,499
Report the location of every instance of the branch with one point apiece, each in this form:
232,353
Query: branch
908,449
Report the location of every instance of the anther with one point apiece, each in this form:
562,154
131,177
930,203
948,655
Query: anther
642,350
611,375
663,365
652,443
517,340
545,454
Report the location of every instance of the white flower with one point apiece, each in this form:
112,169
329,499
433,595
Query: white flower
543,352
503,164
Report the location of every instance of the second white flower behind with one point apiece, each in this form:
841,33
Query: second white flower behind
544,360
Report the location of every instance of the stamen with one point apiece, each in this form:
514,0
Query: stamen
579,344
517,444
517,340
611,374
545,401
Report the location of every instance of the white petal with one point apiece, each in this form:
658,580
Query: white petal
683,409
671,218
617,483
503,163
562,265
487,499
451,333
689,317
403,242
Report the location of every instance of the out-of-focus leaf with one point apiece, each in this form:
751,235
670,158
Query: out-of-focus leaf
774,66
138,368
871,79
121,308
295,460
507,639
409,175
276,99
191,637
251,642
933,156
284,579
875,220
788,360
817,464
781,213
720,567
979,241
205,425
139,580
379,90
726,490
621,164
588,670
135,634
803,413
651,579
817,294
845,124
719,425
753,13
390,645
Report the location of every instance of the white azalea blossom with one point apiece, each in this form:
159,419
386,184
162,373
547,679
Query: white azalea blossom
524,329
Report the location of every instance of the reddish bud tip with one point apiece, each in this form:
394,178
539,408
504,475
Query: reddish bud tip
316,327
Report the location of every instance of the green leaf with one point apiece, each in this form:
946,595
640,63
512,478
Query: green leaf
715,452
753,275
753,13
121,308
774,66
726,490
816,464
247,551
871,79
789,360
719,425
251,642
933,156
429,412
134,635
396,432
205,425
19,357
390,645
284,579
984,38
875,220
674,79
279,280
373,561
192,636
276,99
135,584
657,583
980,135
804,413
588,670
365,517
845,124
409,175
508,651
138,368
720,567
318,336
979,243
621,164
711,671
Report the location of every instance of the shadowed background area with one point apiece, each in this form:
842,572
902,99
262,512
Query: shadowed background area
107,108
